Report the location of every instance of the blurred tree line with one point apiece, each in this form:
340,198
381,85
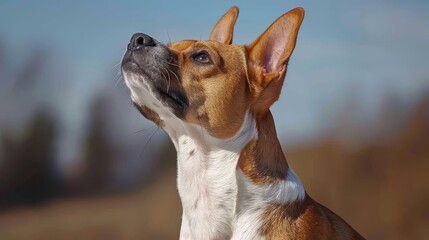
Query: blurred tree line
29,171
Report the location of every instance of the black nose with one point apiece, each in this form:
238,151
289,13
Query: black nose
140,40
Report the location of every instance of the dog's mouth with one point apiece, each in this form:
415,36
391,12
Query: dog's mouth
173,98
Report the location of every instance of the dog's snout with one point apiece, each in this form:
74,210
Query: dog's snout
140,40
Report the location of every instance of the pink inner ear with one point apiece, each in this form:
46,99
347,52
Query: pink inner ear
274,48
220,35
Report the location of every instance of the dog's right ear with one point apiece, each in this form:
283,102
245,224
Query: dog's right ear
224,28
269,55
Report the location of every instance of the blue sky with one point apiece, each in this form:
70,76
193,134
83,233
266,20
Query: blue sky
357,50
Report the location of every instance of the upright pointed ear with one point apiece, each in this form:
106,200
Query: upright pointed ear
269,55
224,28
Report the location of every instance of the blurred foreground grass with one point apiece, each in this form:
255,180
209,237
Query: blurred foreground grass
153,213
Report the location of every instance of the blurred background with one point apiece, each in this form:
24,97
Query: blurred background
77,161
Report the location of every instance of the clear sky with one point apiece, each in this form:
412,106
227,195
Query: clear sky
346,49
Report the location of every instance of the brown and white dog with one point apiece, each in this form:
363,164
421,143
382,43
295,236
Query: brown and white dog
212,98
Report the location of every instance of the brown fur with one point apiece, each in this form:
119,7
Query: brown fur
217,93
263,160
149,114
305,220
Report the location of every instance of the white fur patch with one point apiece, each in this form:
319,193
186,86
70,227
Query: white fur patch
206,178
185,232
285,191
142,93
252,201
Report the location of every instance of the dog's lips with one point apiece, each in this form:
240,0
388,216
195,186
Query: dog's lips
130,63
130,66
172,98
128,59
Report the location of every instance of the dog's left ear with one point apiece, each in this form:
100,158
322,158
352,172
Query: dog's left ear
269,55
224,28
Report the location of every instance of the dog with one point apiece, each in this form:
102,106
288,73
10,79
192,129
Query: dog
213,100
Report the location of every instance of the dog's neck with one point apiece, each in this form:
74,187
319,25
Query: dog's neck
208,175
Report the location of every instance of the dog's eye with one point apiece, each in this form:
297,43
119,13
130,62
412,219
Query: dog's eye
202,57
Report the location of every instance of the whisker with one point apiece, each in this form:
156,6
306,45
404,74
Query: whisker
171,63
116,76
175,75
170,71
169,80
119,77
116,65
169,39
147,142
162,72
142,130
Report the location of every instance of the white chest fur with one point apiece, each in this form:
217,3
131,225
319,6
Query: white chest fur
207,188
207,180
252,201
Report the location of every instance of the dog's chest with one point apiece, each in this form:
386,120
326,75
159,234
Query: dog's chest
207,188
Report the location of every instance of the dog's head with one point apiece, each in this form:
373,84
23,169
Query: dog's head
211,83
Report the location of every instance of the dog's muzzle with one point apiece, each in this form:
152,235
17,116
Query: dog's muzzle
155,65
